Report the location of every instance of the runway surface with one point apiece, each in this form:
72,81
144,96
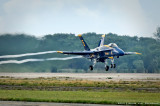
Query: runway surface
19,103
83,76
89,76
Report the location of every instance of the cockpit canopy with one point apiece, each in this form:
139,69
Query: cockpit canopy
112,45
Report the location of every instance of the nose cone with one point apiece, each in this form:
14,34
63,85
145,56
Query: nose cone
121,52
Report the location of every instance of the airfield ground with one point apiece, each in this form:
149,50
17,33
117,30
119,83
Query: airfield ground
89,76
96,88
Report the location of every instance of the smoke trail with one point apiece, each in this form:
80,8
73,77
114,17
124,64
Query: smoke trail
21,61
26,54
66,58
33,60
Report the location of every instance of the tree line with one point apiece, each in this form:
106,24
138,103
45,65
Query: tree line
148,62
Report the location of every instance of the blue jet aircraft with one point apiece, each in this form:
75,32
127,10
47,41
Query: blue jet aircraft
100,53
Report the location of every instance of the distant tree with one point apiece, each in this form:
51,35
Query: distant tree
123,67
148,62
157,33
85,68
54,69
138,64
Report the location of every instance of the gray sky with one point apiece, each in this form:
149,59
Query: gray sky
40,17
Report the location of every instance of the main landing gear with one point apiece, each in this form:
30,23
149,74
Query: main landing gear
91,67
112,65
94,63
106,66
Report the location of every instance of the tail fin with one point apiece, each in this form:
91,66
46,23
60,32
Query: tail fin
101,42
84,43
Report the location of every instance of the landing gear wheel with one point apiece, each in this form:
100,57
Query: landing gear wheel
107,68
91,67
114,66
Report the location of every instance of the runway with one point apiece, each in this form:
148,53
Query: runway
19,103
89,76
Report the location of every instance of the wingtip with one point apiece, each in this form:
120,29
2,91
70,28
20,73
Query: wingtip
138,53
59,52
103,35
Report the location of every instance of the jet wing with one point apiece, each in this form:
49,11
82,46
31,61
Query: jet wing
83,52
76,53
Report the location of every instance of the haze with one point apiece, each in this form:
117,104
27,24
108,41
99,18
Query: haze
41,17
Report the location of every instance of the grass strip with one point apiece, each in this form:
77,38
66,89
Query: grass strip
78,83
81,97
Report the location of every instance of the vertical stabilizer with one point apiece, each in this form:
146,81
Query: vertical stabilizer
84,43
101,42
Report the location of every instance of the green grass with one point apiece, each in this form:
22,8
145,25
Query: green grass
68,82
81,97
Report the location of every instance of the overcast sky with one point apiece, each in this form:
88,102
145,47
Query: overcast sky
40,17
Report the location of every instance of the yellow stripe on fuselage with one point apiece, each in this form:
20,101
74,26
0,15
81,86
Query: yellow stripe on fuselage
106,53
107,46
110,57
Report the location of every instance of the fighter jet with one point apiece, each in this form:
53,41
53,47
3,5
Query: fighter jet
100,54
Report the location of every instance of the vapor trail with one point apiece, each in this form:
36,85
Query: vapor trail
26,54
33,60
21,61
66,58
